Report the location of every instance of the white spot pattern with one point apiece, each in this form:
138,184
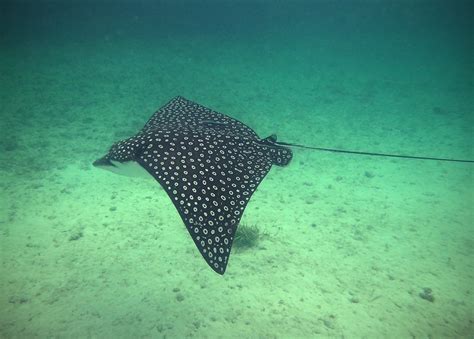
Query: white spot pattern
209,164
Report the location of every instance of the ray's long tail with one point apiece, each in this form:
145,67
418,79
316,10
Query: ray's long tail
334,150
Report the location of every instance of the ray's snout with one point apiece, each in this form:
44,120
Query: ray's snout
102,162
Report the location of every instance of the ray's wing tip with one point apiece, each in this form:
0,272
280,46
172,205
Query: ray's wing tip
220,272
219,269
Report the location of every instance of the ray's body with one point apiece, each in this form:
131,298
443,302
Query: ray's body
208,163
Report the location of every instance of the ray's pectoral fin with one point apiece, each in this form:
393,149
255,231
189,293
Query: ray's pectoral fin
210,181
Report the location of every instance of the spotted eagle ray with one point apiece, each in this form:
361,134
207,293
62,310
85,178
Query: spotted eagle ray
209,164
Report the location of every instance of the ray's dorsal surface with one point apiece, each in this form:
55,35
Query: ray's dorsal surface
209,165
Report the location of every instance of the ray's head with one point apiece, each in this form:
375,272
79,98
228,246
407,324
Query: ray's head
121,158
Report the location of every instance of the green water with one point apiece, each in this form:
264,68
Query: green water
351,246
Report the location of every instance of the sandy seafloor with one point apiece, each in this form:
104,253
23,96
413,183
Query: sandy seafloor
350,241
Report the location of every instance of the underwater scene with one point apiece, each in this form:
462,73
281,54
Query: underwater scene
236,169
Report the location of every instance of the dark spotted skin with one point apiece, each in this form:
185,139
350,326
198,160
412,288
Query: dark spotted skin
209,164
